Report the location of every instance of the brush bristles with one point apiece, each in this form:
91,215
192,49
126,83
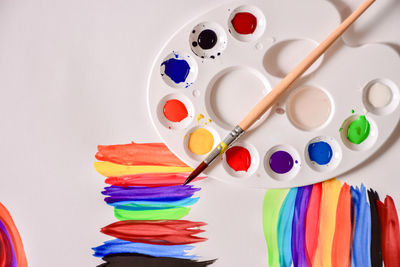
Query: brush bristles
196,172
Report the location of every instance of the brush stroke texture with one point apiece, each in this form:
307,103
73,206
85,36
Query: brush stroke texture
164,214
139,154
271,206
122,246
177,232
7,252
153,205
341,246
140,260
376,240
390,232
151,179
299,225
329,199
362,233
312,222
284,229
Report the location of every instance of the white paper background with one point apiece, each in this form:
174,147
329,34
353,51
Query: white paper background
73,75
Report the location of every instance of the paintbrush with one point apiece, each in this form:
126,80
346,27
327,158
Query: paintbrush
270,98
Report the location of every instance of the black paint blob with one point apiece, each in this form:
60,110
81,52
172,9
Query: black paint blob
194,44
207,39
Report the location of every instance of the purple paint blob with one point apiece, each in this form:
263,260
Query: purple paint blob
281,162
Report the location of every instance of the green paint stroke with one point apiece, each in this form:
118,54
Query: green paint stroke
358,130
158,214
272,204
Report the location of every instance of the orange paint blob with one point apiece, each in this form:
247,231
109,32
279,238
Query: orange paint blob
238,158
174,110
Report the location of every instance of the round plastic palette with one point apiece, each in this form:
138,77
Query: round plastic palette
217,67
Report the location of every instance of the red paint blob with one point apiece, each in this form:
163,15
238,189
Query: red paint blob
244,23
174,110
238,158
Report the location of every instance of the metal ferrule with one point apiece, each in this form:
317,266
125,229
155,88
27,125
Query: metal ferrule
223,146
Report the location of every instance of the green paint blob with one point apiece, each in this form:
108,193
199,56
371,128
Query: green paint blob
158,214
358,130
271,206
352,111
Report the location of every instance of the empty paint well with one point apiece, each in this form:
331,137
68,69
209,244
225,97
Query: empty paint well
208,40
309,108
381,96
323,153
359,132
282,162
175,111
246,23
179,70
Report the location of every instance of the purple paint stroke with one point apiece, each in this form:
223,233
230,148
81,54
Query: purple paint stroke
14,258
164,193
299,226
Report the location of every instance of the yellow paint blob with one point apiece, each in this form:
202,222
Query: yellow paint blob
200,141
109,169
199,117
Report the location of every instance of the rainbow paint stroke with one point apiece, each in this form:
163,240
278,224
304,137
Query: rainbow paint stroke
12,253
332,224
149,201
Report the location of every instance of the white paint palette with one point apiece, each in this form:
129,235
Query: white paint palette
224,75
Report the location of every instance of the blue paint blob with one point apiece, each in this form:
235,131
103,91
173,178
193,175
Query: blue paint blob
320,152
177,69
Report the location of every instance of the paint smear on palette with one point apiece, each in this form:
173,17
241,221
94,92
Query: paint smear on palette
320,152
12,253
201,141
341,228
177,232
358,130
176,69
281,162
174,110
135,259
238,158
244,23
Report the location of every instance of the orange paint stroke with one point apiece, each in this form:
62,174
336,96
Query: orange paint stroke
312,222
151,179
327,221
341,247
15,238
139,154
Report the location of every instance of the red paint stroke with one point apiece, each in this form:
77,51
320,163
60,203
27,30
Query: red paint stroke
154,154
312,223
151,179
176,232
5,250
244,23
390,232
342,239
15,238
174,110
238,158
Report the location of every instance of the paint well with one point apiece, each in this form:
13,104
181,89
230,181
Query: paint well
281,162
244,23
320,152
238,158
379,95
200,141
174,110
309,108
176,69
358,130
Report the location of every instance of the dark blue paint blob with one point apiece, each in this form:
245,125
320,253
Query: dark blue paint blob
320,152
281,162
177,69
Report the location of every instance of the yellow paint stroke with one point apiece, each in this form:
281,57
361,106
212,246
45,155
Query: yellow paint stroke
327,221
209,120
200,141
199,117
109,169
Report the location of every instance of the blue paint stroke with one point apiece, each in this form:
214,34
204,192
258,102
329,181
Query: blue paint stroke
153,205
284,229
320,152
121,246
176,69
362,233
161,194
14,258
299,226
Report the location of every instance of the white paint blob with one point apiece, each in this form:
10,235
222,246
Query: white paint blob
379,95
309,108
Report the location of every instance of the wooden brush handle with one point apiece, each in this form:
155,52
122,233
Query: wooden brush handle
270,98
